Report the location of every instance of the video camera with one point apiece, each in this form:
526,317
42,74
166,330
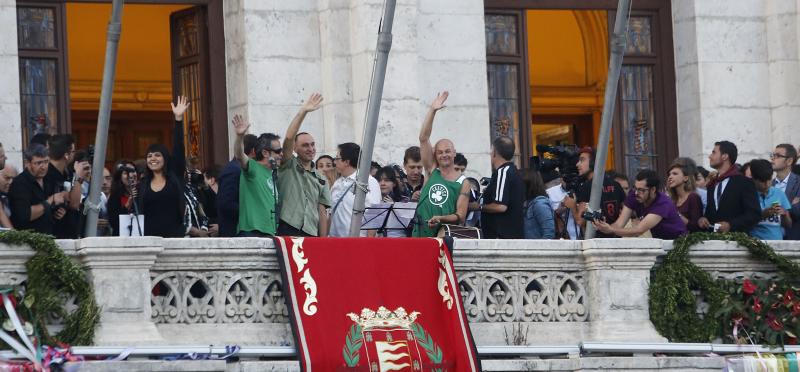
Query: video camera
562,160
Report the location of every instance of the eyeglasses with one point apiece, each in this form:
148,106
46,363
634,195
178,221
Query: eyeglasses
777,155
641,191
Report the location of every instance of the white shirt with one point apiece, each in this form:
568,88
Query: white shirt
557,195
781,184
343,190
720,186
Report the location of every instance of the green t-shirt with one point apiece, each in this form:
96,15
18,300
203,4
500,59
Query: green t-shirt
437,198
256,199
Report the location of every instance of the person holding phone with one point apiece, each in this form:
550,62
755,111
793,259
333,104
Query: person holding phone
775,205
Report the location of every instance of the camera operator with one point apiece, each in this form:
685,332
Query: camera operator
656,211
60,177
610,201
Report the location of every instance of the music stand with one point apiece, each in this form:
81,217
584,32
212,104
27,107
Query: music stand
386,217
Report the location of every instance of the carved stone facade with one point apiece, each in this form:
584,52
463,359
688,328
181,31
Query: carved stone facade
228,291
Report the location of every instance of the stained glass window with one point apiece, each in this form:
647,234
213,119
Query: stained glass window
38,95
503,99
501,34
639,38
188,36
636,92
36,28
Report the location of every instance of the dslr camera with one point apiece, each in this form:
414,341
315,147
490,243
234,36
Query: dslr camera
591,216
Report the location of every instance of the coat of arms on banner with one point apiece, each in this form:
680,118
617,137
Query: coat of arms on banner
387,340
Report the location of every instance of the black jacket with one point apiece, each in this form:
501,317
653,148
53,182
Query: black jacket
25,192
738,205
228,199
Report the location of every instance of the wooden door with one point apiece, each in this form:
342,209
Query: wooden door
190,77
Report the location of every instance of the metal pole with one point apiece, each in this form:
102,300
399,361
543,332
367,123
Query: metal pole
618,45
371,125
92,205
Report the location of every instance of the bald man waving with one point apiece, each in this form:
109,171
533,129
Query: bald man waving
445,196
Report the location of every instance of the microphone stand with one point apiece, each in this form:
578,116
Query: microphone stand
135,209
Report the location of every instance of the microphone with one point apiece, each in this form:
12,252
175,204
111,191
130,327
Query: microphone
273,164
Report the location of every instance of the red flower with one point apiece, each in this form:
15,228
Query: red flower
775,324
756,306
748,287
796,309
788,297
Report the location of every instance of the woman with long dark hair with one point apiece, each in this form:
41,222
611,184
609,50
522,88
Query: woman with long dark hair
391,190
123,191
161,196
539,221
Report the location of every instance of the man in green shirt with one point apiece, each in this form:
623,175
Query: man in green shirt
257,190
445,195
305,194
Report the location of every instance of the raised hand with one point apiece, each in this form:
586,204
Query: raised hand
240,125
438,102
179,108
313,103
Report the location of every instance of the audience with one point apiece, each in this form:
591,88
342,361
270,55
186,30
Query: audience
539,220
502,214
325,166
343,191
655,211
681,189
784,158
732,200
773,203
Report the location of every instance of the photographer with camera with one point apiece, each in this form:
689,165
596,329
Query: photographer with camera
59,178
610,201
656,211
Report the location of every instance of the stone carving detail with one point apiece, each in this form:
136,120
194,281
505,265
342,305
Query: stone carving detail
218,297
546,296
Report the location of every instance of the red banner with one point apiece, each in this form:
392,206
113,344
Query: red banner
375,305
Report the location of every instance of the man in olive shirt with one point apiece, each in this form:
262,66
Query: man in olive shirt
305,195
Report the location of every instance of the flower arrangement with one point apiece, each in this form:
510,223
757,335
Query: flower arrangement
766,310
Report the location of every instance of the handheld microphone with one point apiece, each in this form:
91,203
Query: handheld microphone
273,164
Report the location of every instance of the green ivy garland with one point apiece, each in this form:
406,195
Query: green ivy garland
673,307
52,276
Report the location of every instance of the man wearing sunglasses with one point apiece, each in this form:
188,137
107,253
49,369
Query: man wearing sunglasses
656,211
784,158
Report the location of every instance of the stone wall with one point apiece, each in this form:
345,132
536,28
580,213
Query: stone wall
738,75
11,133
157,291
291,49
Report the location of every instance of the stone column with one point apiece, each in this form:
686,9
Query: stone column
11,135
119,271
617,277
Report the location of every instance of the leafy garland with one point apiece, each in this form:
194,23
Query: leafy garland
673,307
52,276
353,343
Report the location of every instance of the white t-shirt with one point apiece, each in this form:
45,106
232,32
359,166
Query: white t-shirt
343,214
556,195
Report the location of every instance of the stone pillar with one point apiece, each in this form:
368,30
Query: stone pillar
119,271
617,277
11,135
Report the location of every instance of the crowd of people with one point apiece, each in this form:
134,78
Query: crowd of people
279,186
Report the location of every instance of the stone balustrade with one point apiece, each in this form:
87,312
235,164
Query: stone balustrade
228,291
